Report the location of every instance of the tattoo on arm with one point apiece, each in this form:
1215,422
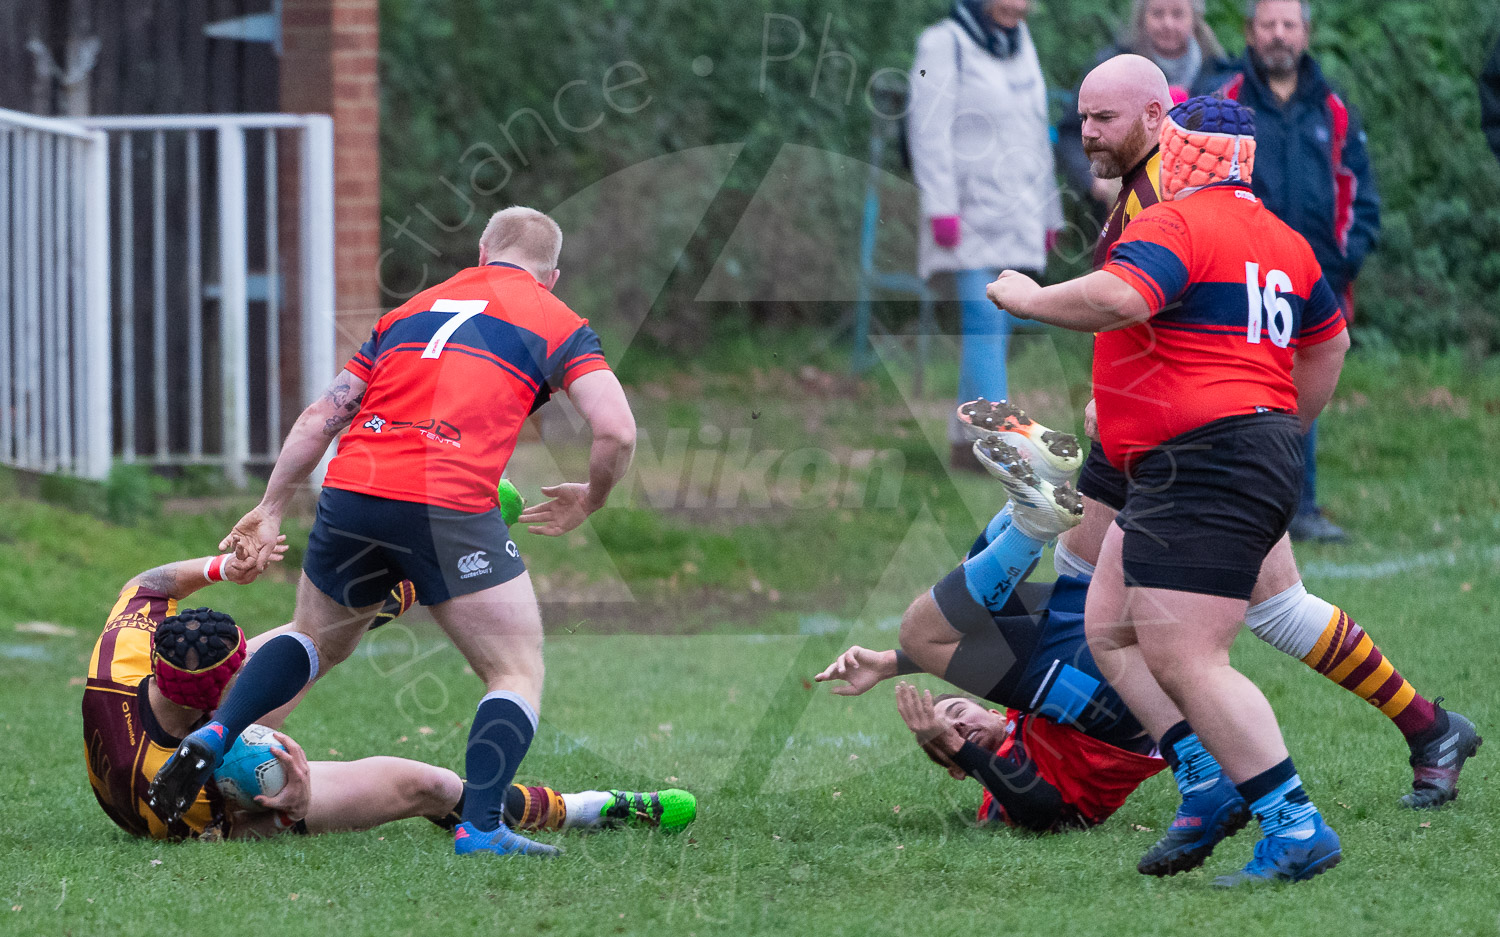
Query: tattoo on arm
345,404
162,579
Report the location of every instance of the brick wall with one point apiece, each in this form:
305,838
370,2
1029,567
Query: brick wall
330,52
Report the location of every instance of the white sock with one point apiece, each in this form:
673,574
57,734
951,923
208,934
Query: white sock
584,809
1068,563
1290,621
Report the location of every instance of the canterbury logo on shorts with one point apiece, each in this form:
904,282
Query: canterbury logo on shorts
473,564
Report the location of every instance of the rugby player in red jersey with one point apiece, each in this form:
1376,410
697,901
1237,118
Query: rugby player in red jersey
157,671
1206,304
434,402
1122,103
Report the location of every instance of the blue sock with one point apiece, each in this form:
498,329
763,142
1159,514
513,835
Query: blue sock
1195,770
994,572
998,524
1277,799
502,731
273,676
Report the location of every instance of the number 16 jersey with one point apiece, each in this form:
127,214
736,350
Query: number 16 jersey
452,374
1233,293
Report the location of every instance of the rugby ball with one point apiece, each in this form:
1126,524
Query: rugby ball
250,768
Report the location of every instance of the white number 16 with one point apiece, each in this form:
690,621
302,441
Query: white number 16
1268,301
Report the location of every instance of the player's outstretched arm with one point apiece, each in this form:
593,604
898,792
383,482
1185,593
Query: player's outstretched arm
255,535
181,579
1315,371
600,398
1096,302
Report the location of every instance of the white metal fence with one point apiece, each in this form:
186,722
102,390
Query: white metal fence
54,297
179,224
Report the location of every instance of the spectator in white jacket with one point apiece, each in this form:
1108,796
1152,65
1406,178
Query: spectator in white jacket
981,152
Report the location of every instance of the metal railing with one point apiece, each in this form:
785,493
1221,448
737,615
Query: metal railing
54,296
200,349
117,339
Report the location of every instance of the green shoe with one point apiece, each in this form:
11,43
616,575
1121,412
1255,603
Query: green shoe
668,811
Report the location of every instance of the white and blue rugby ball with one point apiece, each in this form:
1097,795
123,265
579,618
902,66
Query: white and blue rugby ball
250,768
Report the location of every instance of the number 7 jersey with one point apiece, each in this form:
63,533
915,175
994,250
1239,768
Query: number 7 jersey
1233,293
453,374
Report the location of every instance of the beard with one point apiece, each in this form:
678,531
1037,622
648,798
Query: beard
1112,163
1278,60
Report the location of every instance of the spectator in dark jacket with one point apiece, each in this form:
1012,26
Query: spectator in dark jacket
1312,169
1489,99
1174,35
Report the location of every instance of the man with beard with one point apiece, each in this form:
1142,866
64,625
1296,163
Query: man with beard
1313,172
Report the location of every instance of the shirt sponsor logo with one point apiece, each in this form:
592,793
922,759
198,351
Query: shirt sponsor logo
375,423
434,430
473,564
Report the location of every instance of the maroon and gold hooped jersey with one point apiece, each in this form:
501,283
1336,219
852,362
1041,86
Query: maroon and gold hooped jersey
123,743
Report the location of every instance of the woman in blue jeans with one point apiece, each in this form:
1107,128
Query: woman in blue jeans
981,151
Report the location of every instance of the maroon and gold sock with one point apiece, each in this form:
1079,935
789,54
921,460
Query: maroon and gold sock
1347,656
534,808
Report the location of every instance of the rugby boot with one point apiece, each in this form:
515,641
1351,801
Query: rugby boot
1055,455
1437,763
1040,509
1284,859
467,839
1204,819
668,811
179,781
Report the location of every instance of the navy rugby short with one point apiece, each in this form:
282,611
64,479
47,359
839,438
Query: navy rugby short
362,546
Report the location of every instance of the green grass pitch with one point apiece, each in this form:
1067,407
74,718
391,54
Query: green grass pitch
817,814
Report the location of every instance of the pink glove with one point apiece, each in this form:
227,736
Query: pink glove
1052,236
945,231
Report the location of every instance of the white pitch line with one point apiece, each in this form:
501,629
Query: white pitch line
1386,569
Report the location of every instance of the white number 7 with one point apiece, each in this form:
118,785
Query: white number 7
463,310
1270,301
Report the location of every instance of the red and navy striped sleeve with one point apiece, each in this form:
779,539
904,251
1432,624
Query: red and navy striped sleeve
577,355
1322,317
363,361
1153,256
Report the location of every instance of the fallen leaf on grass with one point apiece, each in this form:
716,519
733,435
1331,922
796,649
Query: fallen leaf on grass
1344,805
292,896
156,862
424,730
853,757
333,751
896,809
1141,829
77,681
838,794
1426,825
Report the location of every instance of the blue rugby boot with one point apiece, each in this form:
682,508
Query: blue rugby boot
1285,859
501,841
179,781
1207,816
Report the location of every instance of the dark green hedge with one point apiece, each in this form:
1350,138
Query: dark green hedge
457,75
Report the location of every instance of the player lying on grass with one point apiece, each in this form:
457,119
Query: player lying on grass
155,673
1067,753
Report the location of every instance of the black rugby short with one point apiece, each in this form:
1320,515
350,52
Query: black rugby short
361,547
1101,481
1205,507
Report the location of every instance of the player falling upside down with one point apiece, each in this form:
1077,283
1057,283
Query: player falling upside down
1068,752
433,403
1060,756
156,672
